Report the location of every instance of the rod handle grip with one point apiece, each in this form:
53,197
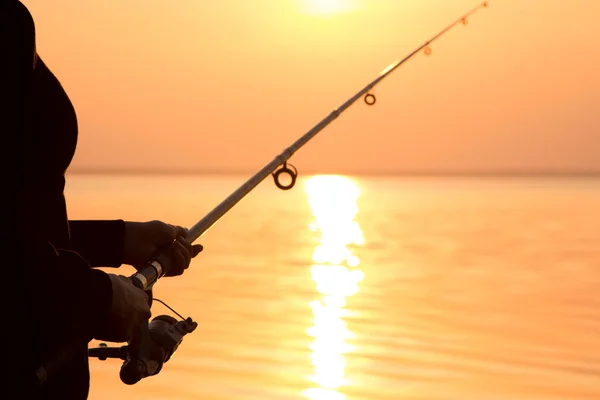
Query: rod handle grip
146,277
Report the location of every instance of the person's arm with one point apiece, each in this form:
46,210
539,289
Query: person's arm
100,242
38,263
111,243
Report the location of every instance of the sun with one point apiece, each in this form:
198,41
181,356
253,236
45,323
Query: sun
328,7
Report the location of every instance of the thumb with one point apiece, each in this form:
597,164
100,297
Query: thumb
196,249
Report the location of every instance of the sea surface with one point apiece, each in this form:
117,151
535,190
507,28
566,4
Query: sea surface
371,287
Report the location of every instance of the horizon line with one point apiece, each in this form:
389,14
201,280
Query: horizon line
500,173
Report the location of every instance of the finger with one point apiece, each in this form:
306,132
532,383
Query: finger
146,313
176,263
181,231
185,243
179,256
146,296
179,262
149,296
165,233
185,249
196,249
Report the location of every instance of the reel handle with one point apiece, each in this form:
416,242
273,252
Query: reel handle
152,346
142,358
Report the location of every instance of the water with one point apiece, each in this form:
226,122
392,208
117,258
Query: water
410,289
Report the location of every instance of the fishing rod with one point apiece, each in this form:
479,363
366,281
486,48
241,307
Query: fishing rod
145,278
155,342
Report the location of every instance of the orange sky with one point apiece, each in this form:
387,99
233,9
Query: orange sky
228,84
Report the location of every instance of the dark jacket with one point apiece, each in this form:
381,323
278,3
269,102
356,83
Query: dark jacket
58,301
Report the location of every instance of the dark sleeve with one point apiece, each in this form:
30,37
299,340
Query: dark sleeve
41,272
100,242
74,296
90,287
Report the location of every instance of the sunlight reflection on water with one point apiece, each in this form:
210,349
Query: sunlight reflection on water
333,202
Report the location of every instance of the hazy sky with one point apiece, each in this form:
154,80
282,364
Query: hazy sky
228,84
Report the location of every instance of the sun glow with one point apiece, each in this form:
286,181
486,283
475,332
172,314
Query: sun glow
329,7
333,201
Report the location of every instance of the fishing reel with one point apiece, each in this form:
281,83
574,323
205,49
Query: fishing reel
149,349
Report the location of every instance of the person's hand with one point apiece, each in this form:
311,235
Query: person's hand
144,241
129,310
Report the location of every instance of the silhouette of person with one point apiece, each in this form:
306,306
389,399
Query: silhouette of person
58,299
